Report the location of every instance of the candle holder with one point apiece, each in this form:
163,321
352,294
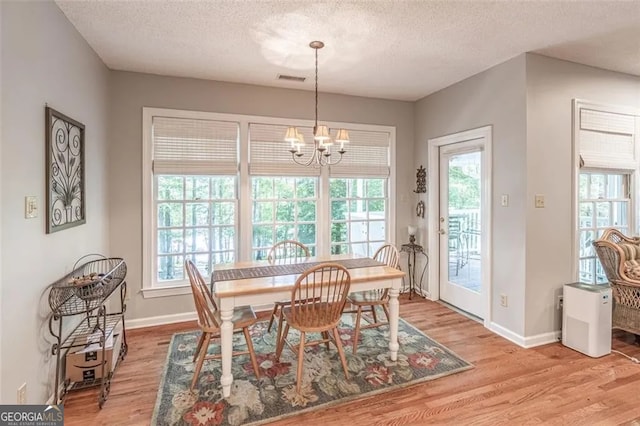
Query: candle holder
412,233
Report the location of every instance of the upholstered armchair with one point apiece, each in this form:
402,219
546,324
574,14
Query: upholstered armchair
620,259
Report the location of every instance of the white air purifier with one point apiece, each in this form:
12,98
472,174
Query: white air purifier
586,318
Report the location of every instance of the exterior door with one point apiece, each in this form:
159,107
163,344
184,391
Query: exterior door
461,229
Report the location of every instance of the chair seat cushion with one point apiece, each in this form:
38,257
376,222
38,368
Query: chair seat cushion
243,316
367,298
631,251
632,269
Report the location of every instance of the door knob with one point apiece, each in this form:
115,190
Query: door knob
441,219
441,232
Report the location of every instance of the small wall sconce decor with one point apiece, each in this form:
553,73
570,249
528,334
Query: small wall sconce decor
421,180
420,209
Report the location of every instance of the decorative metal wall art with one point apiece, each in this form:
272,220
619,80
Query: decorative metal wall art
65,171
420,209
421,180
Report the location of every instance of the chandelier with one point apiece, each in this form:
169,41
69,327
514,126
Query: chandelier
322,141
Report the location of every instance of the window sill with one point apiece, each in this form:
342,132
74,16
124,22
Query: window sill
153,292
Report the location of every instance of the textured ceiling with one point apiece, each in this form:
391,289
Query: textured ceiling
387,49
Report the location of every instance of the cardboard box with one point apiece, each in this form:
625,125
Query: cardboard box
117,345
84,362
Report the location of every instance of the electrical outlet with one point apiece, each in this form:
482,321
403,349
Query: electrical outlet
504,200
503,300
559,302
22,394
539,201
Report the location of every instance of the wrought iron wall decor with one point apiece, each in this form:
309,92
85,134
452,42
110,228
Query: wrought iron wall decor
420,209
65,171
421,180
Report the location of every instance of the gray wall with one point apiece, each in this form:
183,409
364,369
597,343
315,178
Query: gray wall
528,101
494,97
133,91
551,86
44,60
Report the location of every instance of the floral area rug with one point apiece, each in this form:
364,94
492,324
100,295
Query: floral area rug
273,396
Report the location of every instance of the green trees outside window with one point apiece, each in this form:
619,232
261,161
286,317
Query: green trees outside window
196,219
358,215
283,208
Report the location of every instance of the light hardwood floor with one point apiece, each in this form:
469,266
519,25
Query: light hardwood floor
550,384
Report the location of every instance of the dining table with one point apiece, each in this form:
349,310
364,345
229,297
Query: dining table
258,283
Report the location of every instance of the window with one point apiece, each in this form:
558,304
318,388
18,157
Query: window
608,159
358,192
603,203
193,175
196,220
221,188
283,208
358,215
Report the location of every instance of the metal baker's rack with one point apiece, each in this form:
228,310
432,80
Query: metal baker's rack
84,291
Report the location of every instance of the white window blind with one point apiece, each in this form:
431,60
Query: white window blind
194,146
269,153
607,140
367,155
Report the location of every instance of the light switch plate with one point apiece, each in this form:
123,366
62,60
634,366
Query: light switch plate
30,207
504,200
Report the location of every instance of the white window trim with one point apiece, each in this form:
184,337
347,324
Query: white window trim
484,135
595,227
634,181
244,194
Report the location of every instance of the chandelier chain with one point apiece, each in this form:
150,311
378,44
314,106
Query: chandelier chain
316,126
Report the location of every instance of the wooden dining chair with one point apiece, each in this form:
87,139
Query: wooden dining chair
367,301
285,253
209,322
317,302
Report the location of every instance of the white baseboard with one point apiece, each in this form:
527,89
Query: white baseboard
173,318
160,320
424,293
52,398
525,342
507,334
542,339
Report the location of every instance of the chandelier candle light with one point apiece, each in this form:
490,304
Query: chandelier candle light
321,138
